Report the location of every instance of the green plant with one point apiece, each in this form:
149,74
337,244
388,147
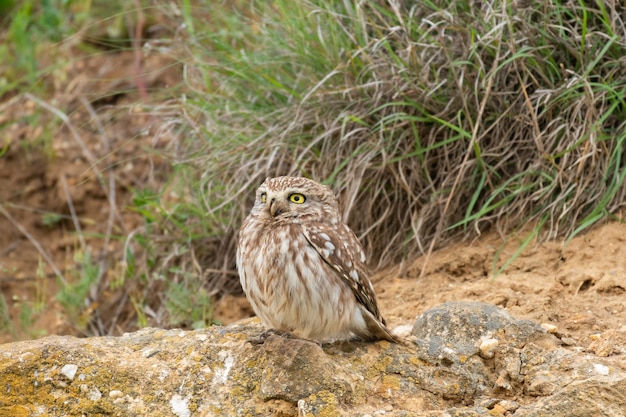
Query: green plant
28,309
74,294
432,121
6,326
188,302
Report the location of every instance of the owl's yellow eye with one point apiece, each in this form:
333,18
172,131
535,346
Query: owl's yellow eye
263,198
297,198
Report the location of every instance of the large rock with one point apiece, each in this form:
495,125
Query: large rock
464,359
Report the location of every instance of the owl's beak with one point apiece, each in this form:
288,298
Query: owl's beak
277,208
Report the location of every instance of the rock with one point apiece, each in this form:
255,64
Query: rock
592,397
467,359
487,348
180,406
455,331
461,336
508,405
280,363
115,394
69,371
603,344
549,327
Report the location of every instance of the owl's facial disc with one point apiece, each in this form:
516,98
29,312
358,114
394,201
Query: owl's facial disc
282,202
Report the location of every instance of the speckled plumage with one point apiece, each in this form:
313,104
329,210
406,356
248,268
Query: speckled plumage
303,270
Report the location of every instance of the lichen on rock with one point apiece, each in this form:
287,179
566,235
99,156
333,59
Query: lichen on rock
462,359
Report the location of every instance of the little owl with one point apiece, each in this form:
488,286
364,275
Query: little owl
303,269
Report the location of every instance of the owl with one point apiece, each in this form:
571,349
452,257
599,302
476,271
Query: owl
303,269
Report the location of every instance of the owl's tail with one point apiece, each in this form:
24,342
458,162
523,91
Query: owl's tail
377,330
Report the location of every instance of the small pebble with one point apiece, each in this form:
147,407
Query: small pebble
488,348
94,394
601,369
69,370
509,405
603,344
487,402
114,394
146,353
403,331
549,327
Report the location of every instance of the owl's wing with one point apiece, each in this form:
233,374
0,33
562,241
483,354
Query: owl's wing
341,250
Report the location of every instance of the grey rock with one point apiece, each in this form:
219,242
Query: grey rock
453,331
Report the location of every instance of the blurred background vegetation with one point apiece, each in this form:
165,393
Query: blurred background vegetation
432,120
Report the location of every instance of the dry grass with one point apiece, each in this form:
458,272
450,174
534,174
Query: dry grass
431,122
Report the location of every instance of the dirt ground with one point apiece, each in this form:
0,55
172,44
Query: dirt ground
69,190
578,290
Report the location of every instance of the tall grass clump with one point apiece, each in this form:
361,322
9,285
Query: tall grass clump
431,120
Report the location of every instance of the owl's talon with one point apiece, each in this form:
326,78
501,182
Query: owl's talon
275,332
280,333
266,334
255,340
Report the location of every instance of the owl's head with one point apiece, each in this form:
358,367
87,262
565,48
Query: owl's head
285,199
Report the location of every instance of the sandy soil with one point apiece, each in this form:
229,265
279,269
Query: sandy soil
580,288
